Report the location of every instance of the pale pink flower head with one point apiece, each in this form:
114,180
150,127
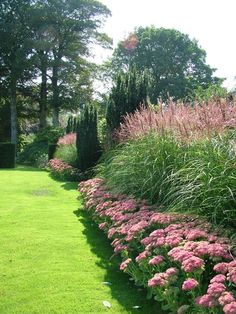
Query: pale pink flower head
192,263
189,284
215,289
207,301
221,268
230,308
172,271
159,279
156,260
124,265
142,256
218,278
225,298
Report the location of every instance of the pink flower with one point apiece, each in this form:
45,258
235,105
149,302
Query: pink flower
189,284
102,225
142,256
195,234
230,308
158,233
156,260
225,298
192,263
159,279
207,301
218,278
221,268
172,271
124,265
216,288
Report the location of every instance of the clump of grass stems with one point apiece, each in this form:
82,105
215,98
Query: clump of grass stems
197,176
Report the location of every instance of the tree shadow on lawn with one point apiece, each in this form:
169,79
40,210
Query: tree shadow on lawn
122,289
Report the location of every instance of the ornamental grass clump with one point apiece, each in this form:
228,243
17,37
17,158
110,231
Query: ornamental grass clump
181,260
197,176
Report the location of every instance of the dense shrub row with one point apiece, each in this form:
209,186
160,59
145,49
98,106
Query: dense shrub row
197,176
183,263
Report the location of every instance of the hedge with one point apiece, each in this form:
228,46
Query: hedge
7,155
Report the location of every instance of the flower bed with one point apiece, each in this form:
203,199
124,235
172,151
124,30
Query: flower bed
179,259
63,171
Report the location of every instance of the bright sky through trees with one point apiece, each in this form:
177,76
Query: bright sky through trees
211,22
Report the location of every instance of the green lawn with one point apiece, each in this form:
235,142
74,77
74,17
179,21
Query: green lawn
52,258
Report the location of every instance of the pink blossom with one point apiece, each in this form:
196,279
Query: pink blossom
216,288
192,263
156,260
124,264
218,278
225,298
189,284
230,308
195,234
172,271
221,268
142,256
207,301
159,279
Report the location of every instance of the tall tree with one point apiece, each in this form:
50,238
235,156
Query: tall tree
176,63
75,25
129,92
14,51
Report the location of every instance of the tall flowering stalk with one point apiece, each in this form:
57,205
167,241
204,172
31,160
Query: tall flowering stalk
183,120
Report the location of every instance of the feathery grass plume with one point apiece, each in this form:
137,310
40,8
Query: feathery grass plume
184,121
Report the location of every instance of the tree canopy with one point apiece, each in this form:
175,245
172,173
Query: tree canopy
176,63
44,50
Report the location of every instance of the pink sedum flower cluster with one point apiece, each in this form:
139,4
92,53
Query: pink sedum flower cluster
169,250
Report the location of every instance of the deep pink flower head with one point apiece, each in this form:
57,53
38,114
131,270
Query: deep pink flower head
189,284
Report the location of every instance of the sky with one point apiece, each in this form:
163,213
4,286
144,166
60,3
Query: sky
211,22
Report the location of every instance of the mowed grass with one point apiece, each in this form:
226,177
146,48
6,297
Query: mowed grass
52,258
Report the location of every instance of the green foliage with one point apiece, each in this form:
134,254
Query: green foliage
33,152
67,153
7,155
71,125
211,92
128,93
51,150
5,116
87,143
176,63
50,134
198,177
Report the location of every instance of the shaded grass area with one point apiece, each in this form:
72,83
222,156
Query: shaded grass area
51,261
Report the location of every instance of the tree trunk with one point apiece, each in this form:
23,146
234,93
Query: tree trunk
43,91
55,95
13,111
